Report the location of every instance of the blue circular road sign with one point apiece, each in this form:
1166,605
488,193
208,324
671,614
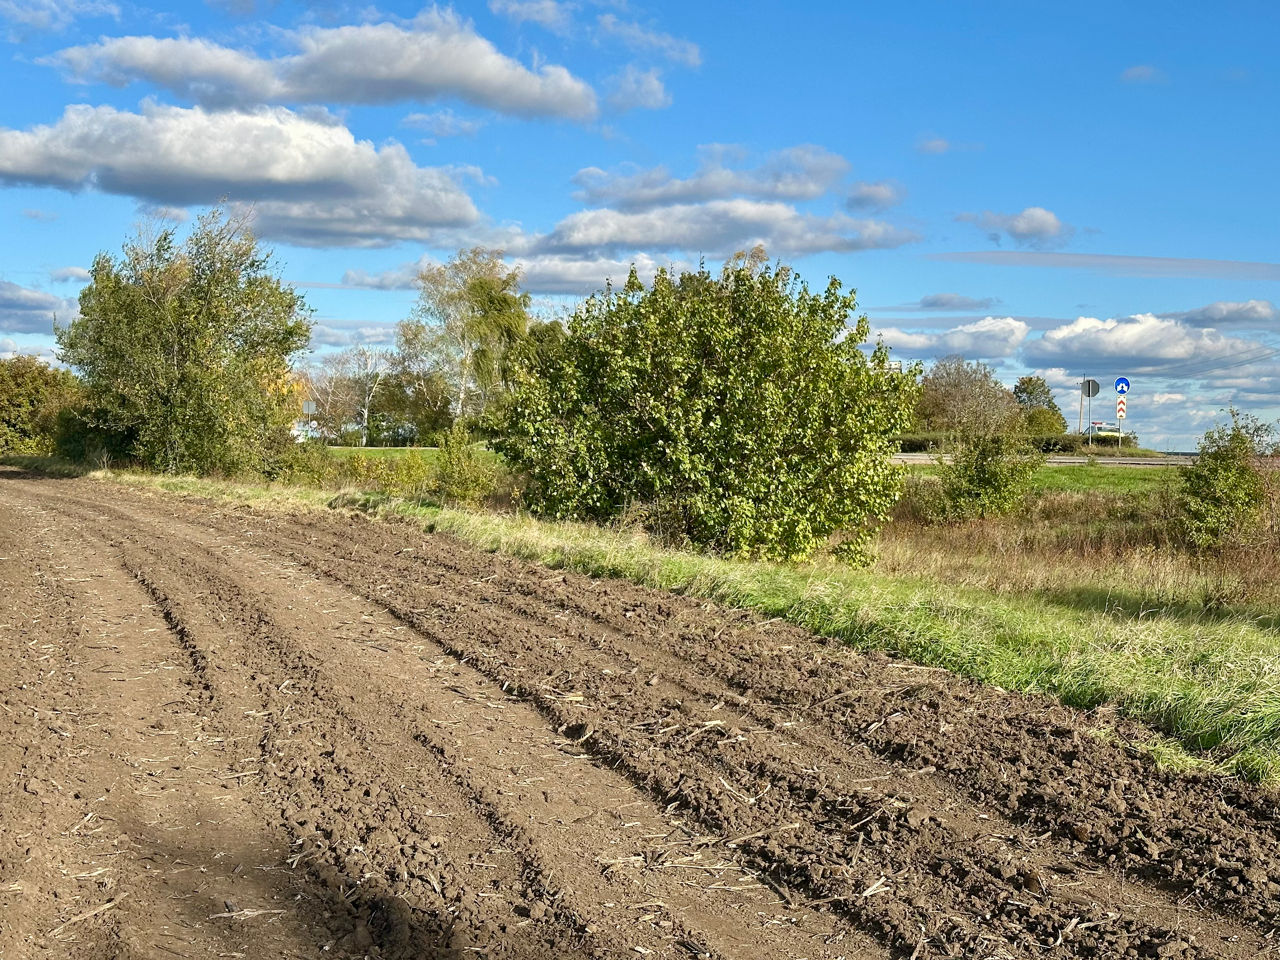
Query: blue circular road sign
1122,385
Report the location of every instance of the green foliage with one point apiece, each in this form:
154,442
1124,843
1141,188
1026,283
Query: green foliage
304,464
987,476
1065,443
32,398
964,398
1041,421
463,476
469,318
79,436
1228,495
410,409
739,409
411,475
458,473
185,350
1041,414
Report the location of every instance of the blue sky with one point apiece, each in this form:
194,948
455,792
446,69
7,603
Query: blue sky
1059,188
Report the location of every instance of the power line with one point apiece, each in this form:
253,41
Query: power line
1198,369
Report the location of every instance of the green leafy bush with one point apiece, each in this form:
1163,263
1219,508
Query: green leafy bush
306,464
463,477
412,475
739,411
1066,443
987,476
184,350
32,398
78,437
1228,495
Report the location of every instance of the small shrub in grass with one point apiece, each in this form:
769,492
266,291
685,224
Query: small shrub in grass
1229,495
987,476
462,476
411,475
304,464
364,472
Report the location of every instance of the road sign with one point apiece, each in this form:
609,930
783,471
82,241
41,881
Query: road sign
1089,388
1120,408
1122,385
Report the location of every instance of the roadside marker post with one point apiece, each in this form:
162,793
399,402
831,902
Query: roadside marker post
1122,392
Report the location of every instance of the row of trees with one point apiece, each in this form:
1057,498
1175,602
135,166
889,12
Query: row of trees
964,398
738,411
453,358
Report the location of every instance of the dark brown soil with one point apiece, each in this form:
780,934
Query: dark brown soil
231,733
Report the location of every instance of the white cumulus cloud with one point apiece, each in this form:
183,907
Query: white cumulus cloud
53,14
802,172
1248,314
437,55
636,89
645,40
877,195
990,337
718,228
312,182
552,14
1033,227
1143,342
23,310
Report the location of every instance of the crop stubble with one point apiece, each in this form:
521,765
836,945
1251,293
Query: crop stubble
381,742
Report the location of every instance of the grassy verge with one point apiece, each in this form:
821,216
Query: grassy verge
49,466
392,453
1088,478
342,453
1213,685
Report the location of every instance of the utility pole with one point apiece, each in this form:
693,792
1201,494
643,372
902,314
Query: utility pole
1080,419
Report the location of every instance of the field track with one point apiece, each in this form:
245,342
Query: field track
230,733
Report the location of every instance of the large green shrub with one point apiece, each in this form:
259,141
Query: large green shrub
739,410
1226,492
184,350
987,475
32,398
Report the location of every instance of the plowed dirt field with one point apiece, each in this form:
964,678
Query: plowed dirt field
229,733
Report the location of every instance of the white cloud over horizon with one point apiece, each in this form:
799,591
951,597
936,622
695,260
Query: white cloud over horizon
718,228
310,180
990,337
436,55
802,172
1141,343
24,310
